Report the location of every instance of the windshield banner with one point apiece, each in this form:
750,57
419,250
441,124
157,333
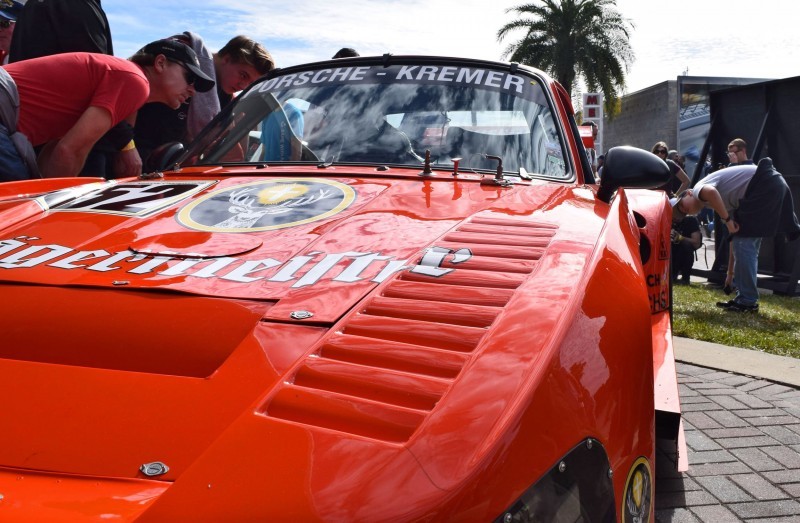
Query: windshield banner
488,79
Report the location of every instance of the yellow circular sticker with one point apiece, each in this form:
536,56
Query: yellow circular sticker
638,494
267,205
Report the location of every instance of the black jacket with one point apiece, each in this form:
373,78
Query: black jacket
767,207
46,27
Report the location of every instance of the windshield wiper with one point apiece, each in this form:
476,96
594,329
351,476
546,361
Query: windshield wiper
257,165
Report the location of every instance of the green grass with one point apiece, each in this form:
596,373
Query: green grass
775,329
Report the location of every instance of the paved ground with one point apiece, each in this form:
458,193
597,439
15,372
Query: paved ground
742,421
741,411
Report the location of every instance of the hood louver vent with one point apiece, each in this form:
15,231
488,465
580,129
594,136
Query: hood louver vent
393,362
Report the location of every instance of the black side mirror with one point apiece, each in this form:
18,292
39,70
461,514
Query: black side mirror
164,157
631,167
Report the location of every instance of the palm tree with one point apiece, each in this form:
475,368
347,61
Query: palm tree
571,39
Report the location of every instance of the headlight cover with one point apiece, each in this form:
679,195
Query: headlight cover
578,488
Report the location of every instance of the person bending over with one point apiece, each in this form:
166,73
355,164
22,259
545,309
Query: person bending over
754,202
68,101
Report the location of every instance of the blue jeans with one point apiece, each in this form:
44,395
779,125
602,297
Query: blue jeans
12,168
745,269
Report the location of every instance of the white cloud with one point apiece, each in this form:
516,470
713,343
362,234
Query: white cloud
736,38
316,31
733,38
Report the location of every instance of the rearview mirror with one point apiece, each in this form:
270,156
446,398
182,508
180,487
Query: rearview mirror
631,167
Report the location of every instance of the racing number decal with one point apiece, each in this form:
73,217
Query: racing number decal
658,275
265,206
638,495
657,288
126,199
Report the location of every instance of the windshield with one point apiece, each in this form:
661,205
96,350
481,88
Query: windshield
394,115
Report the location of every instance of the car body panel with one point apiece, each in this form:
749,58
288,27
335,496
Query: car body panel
389,345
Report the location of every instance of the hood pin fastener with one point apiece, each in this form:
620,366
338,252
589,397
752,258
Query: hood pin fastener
154,468
301,315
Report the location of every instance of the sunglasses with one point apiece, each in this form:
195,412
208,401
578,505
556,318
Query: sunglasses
5,23
189,76
661,151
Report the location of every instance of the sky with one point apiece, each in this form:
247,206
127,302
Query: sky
731,38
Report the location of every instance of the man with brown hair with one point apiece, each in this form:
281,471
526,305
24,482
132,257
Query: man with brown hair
737,153
238,64
234,67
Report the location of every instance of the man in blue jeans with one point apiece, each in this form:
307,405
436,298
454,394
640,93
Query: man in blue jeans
754,202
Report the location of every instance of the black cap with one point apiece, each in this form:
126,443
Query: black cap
10,10
182,53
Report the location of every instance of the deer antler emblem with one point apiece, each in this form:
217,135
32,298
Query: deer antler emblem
248,208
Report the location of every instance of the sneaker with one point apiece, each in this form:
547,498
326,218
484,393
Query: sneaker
740,307
726,304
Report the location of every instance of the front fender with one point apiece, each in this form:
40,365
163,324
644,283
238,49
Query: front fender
654,219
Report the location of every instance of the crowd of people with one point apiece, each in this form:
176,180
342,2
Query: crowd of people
753,202
750,202
116,111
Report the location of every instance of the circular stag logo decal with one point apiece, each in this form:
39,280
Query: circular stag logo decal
638,493
266,206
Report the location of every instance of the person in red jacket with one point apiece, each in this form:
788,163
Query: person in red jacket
68,101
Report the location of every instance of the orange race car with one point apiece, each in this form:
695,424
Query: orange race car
373,289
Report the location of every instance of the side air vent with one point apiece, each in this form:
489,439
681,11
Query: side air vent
394,361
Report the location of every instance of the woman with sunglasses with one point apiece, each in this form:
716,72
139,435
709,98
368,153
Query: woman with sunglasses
678,180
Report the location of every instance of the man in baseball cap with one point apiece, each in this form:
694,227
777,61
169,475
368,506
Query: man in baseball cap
180,53
235,66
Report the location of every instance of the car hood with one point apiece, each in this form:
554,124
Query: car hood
178,321
244,238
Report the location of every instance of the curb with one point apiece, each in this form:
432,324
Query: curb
748,362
